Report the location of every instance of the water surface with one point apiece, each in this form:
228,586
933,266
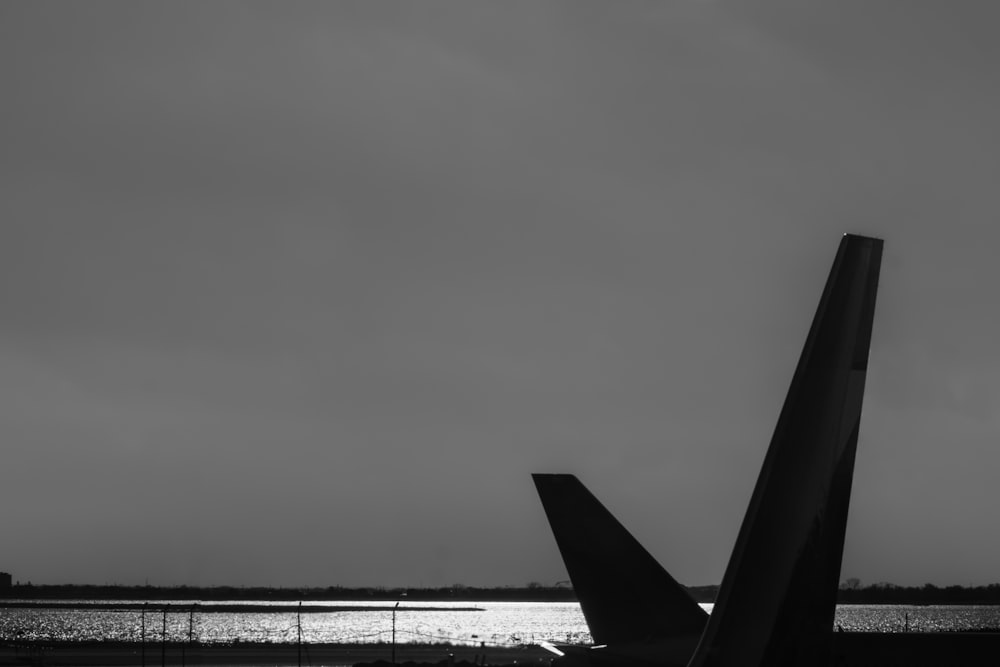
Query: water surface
495,624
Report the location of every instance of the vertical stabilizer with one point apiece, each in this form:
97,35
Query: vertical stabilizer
626,596
776,603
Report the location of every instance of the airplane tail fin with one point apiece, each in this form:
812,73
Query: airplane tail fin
778,595
626,596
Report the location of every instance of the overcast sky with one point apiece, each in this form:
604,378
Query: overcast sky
301,293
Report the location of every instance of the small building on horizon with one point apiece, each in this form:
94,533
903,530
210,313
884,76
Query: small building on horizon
5,580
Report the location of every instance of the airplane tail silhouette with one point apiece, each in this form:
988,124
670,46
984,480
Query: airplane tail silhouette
625,595
778,596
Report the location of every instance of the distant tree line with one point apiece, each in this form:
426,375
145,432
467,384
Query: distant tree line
851,592
532,592
703,593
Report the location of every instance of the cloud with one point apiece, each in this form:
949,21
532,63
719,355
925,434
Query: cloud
353,271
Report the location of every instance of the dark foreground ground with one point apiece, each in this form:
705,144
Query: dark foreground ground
851,649
112,654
